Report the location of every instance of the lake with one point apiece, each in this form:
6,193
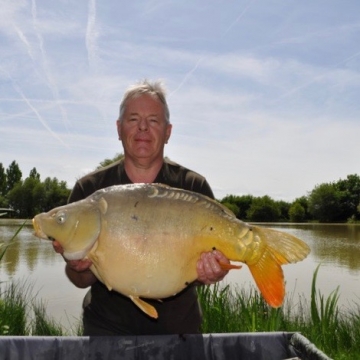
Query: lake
335,247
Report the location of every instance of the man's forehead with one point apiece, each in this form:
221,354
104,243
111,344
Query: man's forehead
144,103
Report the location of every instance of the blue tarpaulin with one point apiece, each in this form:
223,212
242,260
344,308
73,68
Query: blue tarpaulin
248,346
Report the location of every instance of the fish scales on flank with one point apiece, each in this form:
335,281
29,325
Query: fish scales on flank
144,241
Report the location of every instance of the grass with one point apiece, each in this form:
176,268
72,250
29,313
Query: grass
23,314
13,311
334,332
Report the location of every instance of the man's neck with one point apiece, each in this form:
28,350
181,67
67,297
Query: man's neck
142,171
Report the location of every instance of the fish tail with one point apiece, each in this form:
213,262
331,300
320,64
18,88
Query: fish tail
279,248
269,278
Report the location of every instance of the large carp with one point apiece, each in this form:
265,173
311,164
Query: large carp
144,240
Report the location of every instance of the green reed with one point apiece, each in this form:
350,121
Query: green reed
13,306
334,332
23,314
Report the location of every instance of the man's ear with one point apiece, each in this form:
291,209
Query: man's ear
168,133
118,126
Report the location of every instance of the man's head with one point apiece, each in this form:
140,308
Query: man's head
143,125
145,87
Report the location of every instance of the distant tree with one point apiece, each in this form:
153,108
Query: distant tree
242,203
263,209
2,180
15,198
324,203
13,175
56,193
34,174
303,201
284,208
349,193
232,206
296,212
107,162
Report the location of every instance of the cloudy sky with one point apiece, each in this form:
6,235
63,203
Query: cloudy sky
264,95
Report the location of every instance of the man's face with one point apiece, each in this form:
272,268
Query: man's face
143,129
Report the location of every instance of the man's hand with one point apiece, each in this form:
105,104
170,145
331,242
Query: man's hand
78,271
76,265
209,269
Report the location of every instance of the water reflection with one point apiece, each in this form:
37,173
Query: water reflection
338,245
26,250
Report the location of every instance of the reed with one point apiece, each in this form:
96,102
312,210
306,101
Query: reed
21,313
42,324
13,307
333,331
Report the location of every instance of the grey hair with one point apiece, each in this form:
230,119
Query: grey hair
155,89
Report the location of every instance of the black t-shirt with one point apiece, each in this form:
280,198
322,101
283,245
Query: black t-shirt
111,313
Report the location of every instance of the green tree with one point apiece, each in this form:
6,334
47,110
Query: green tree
2,180
232,206
296,212
349,193
304,202
242,203
284,208
264,209
324,203
56,193
13,175
21,198
107,162
34,174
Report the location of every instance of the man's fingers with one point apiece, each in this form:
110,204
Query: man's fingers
57,247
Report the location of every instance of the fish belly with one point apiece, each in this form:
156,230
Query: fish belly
149,245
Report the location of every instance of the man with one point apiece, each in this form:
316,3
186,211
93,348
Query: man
143,128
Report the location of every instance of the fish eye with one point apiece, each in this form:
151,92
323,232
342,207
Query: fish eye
61,217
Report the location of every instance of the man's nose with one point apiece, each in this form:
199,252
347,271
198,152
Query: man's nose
143,124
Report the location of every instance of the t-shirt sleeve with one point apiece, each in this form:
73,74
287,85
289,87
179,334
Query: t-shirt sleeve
197,183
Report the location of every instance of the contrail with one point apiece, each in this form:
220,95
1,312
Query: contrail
188,74
238,18
34,110
316,78
51,82
91,34
25,41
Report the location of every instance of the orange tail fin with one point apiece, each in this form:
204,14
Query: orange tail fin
280,248
269,278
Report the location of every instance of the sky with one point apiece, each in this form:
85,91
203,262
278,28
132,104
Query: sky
264,96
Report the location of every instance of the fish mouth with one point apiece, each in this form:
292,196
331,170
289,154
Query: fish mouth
38,231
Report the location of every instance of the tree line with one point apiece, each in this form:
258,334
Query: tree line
25,198
332,202
337,201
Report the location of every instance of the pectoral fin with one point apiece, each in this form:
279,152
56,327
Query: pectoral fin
144,306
